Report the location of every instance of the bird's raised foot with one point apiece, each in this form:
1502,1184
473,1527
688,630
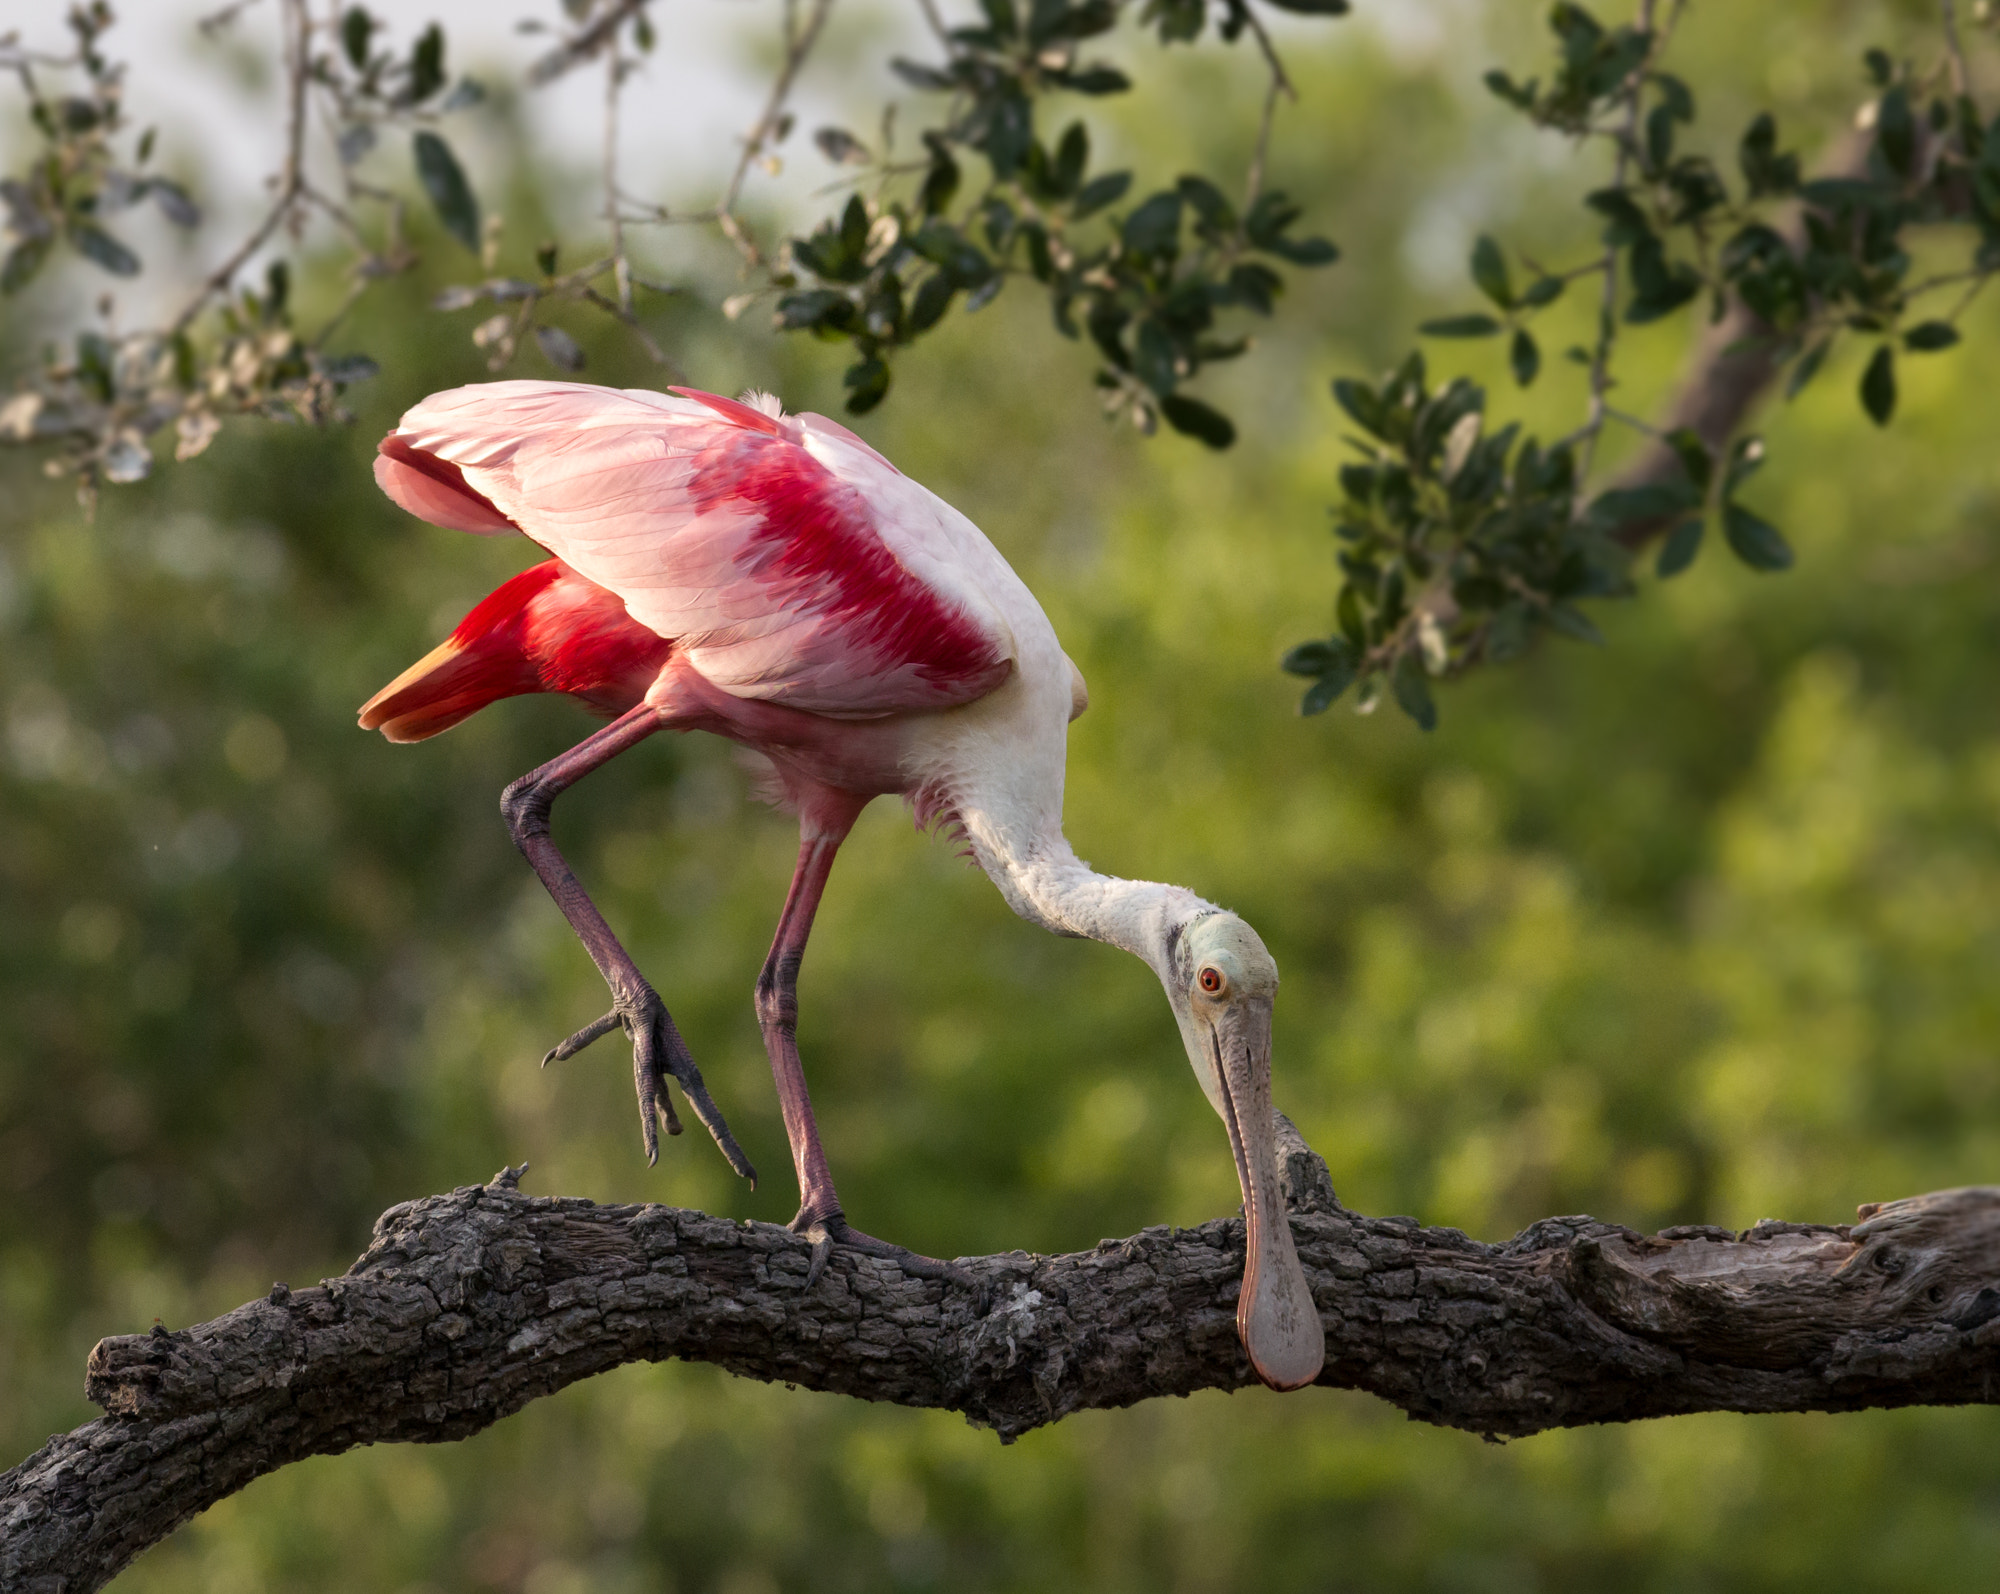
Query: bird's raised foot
657,1053
827,1232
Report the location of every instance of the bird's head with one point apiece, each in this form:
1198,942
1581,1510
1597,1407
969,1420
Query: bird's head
1222,983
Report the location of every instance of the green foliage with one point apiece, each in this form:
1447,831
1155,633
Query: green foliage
1674,236
1144,285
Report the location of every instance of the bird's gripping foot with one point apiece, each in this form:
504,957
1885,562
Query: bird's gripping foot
657,1053
834,1229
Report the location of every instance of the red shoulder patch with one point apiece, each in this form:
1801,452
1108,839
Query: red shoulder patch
816,538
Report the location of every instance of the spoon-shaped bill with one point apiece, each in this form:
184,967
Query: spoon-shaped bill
1275,1315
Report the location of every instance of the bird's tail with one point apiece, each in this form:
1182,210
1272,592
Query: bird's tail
484,660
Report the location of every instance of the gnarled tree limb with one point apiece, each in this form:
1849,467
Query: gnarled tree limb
467,1306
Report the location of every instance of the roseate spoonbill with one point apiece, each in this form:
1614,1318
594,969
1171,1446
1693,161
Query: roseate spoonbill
722,566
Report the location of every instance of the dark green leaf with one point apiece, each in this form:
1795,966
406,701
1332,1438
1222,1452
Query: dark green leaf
1312,8
1304,251
1209,204
1360,401
1625,506
1413,691
1519,95
1896,131
1808,367
1693,454
1196,419
1155,227
1543,290
1095,80
1524,357
1178,20
427,64
841,147
1836,193
933,298
1460,326
1001,19
1627,222
1321,695
919,76
1153,357
1254,286
1489,272
1659,136
1269,217
344,370
1568,620
940,182
451,195
1347,609
1675,96
559,348
1010,132
1754,540
1313,658
819,308
23,261
1878,386
93,360
868,382
1764,169
174,202
1099,192
1929,336
1072,157
355,27
277,290
98,246
1678,550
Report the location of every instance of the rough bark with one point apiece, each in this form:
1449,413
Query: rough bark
467,1306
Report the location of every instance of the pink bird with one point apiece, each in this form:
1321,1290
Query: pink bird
722,566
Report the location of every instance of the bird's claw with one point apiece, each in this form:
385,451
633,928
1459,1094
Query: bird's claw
834,1229
657,1052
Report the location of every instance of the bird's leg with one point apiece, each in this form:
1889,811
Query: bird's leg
820,1218
657,1047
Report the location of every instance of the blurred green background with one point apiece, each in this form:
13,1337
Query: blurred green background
1699,928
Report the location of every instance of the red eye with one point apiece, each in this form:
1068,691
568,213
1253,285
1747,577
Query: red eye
1211,980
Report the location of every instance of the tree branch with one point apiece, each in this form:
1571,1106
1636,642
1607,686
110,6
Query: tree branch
467,1306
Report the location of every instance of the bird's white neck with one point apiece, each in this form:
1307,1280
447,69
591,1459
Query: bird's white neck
1044,881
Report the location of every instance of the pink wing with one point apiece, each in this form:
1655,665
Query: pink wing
787,559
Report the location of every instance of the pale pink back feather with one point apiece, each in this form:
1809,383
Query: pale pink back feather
789,559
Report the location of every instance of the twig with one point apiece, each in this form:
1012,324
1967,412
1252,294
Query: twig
1280,84
1961,72
798,45
581,47
291,176
1625,139
621,268
930,11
